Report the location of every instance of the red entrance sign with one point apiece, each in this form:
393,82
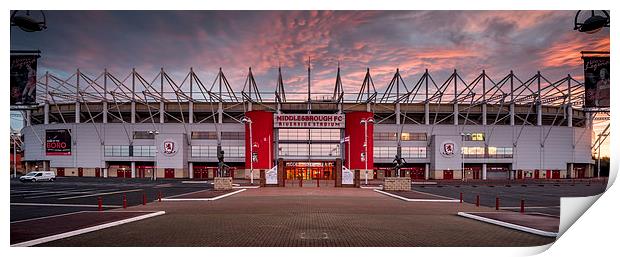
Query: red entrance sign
309,121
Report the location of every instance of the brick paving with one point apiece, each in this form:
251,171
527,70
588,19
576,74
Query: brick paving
307,217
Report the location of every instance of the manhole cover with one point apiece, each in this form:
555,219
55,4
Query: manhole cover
313,235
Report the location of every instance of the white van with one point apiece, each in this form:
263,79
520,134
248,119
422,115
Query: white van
38,176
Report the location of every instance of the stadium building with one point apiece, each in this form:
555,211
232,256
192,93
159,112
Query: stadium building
128,126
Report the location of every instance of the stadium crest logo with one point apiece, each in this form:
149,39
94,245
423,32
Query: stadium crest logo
448,149
169,147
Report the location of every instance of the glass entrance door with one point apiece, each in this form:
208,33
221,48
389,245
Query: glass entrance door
309,170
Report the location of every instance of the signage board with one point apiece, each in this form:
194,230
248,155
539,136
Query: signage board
309,121
271,176
58,142
23,80
596,71
347,177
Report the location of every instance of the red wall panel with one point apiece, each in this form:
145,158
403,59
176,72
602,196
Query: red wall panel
262,135
355,131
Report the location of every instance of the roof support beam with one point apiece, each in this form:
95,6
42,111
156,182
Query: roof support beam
105,96
161,101
46,106
77,98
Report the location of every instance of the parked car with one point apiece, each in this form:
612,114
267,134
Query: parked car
38,176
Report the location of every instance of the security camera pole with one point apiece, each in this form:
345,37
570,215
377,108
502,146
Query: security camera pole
249,122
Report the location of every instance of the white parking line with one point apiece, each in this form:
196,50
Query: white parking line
371,187
34,189
65,205
194,182
41,193
60,194
528,207
440,196
417,200
509,225
187,193
204,199
86,230
100,194
45,217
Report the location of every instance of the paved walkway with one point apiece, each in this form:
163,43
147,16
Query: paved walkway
307,217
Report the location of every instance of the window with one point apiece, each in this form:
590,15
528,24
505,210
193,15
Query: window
204,135
385,136
320,150
407,152
499,152
116,151
491,152
413,152
203,151
211,151
143,135
312,134
472,152
474,137
404,136
226,135
413,136
384,151
233,151
144,150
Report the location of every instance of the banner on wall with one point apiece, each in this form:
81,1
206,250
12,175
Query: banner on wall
596,76
23,80
58,142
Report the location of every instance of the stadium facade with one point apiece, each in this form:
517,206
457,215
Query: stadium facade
111,126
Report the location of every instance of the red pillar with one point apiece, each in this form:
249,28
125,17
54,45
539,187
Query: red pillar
262,135
355,131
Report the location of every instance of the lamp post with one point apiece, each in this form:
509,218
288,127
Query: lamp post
155,132
27,22
14,154
592,24
463,135
365,122
249,122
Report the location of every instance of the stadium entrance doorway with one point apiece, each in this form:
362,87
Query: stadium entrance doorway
309,173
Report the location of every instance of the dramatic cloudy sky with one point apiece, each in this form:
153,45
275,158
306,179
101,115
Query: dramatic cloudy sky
469,41
498,41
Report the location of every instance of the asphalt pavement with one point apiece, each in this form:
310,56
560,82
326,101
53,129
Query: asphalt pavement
540,197
72,194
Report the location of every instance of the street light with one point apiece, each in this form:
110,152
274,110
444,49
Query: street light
249,122
155,132
27,22
365,123
592,24
463,135
15,135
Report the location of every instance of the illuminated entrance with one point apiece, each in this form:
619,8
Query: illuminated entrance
322,170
